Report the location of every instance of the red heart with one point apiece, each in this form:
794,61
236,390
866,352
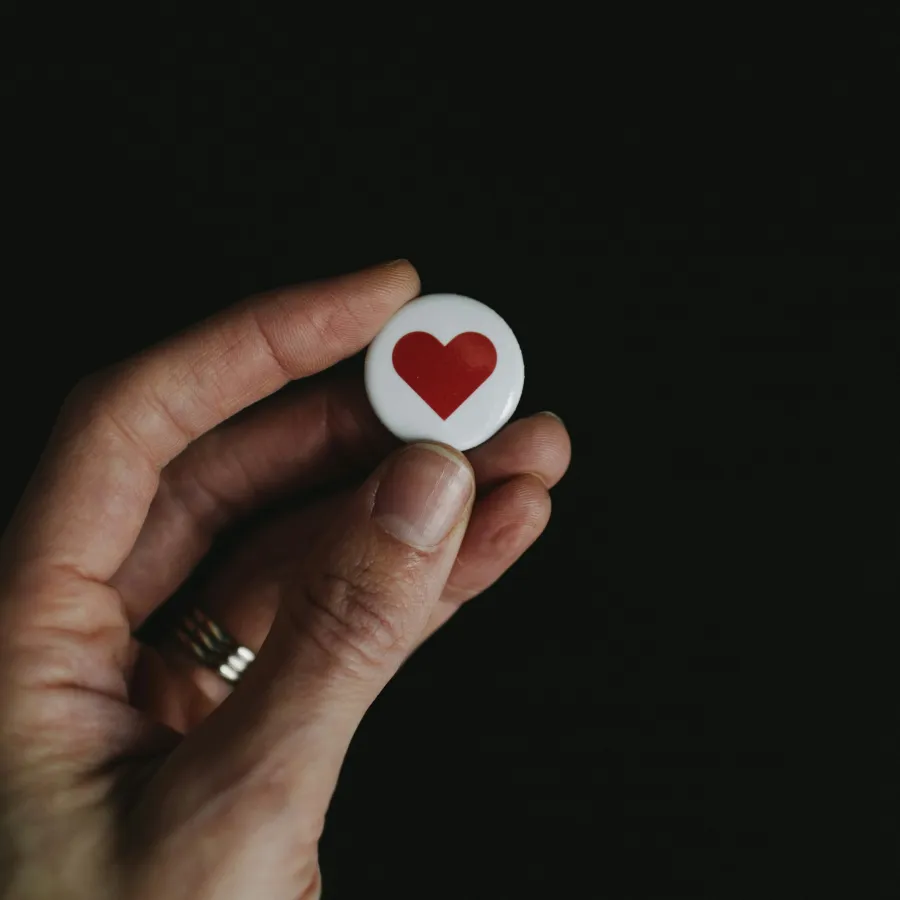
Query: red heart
444,376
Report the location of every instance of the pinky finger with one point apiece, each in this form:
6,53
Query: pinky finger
504,525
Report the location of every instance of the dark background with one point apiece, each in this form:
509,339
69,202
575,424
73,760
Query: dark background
688,689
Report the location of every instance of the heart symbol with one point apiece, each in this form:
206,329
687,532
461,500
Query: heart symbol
444,375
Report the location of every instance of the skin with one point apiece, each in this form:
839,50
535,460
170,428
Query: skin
130,771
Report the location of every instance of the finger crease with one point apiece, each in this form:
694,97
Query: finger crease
269,345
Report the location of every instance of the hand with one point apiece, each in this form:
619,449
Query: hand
128,772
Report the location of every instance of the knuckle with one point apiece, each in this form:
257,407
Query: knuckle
361,619
332,320
84,403
84,393
93,394
313,890
270,344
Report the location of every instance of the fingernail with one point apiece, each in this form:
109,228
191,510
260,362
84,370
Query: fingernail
422,495
552,415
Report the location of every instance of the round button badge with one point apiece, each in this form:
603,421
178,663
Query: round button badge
445,368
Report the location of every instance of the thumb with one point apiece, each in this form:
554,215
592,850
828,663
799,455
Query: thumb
345,625
362,602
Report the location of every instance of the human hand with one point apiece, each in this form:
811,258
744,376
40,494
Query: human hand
126,771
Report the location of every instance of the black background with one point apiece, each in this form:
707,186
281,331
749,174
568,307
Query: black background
688,688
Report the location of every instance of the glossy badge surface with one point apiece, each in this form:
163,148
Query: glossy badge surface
445,368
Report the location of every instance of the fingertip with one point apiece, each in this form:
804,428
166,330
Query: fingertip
504,524
553,415
555,446
401,276
529,501
537,445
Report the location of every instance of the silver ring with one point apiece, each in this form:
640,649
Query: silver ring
212,646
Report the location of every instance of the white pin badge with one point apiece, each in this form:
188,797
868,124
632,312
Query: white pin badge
445,368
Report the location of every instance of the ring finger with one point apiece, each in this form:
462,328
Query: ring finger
514,472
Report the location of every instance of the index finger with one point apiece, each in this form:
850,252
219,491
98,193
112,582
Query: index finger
94,486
